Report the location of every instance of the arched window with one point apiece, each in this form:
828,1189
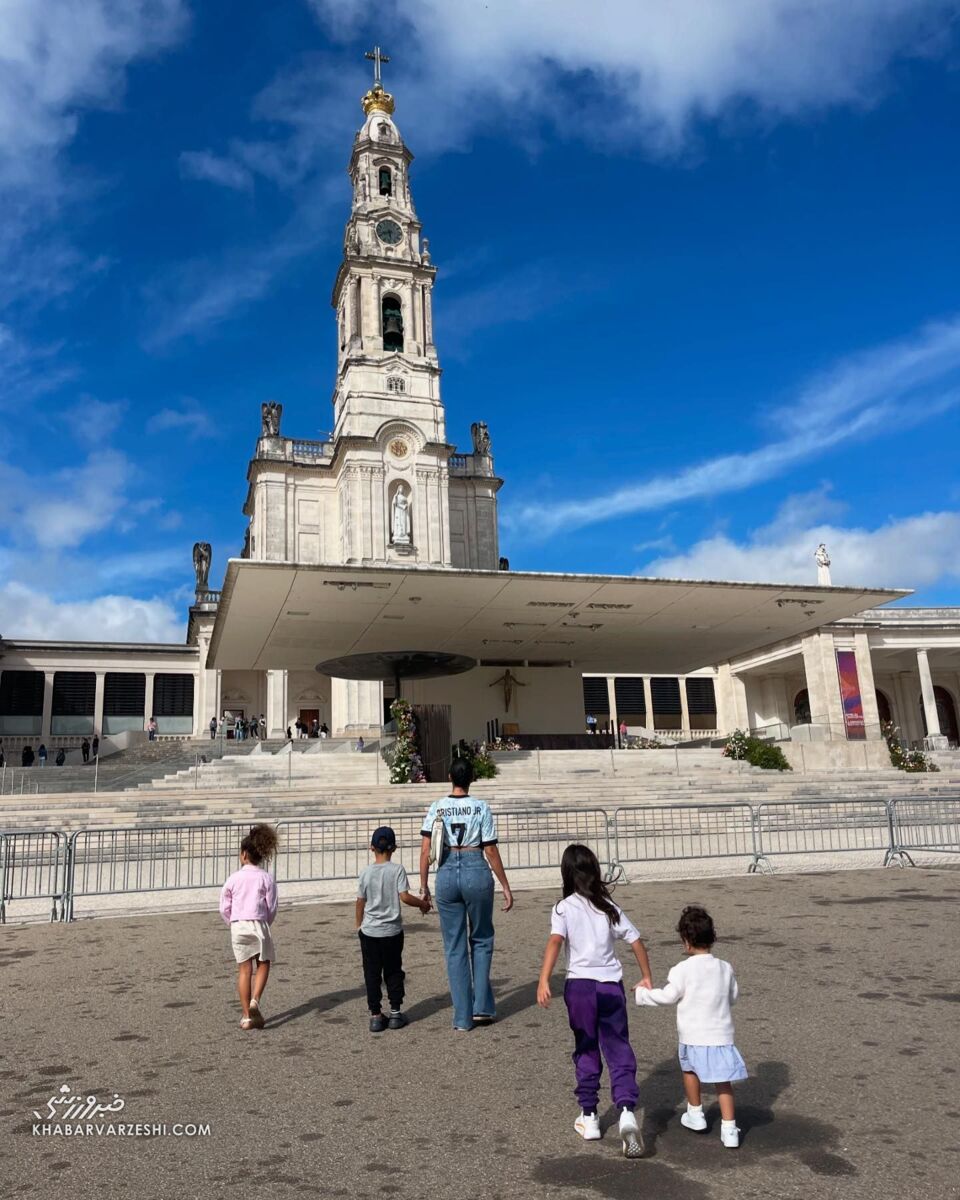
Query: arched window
386,181
396,384
801,708
884,711
392,323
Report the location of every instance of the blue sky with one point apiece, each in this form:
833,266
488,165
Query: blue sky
698,272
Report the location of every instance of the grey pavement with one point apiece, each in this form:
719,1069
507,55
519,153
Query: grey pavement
848,1022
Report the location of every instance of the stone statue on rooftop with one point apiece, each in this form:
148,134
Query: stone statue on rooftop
270,414
202,555
481,438
823,565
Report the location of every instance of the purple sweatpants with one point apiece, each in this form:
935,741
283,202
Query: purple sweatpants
598,1018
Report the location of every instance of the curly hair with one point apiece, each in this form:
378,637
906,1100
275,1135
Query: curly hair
260,844
696,927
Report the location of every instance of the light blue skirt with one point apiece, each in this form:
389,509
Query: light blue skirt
713,1064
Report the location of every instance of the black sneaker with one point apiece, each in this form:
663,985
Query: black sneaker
378,1023
397,1021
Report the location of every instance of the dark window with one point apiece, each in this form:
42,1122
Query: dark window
173,695
701,700
595,699
392,323
21,694
74,693
665,694
386,181
124,694
631,701
801,708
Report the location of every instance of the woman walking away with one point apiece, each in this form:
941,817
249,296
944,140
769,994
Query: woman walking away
465,894
588,922
703,989
248,904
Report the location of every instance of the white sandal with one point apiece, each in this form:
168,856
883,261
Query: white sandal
247,1023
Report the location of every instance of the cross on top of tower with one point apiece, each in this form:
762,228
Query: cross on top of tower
378,57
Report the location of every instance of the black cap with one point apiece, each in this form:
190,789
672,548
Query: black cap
384,839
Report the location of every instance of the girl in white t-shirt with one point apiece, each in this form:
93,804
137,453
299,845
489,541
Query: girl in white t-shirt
588,922
703,989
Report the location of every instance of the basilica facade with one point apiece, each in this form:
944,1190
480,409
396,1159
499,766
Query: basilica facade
384,538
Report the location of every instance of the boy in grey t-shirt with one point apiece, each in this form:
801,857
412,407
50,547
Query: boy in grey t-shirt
380,889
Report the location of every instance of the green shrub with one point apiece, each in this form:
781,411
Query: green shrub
755,752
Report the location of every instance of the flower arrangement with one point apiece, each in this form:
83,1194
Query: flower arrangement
737,745
406,765
478,755
756,752
914,761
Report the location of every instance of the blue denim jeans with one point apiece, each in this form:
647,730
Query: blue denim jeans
464,895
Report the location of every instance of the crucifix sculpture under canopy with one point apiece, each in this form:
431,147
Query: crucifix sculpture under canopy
378,57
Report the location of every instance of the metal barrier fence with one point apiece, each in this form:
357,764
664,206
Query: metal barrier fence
669,832
339,847
822,827
33,866
49,865
932,824
153,858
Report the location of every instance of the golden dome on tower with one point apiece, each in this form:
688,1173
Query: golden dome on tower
377,100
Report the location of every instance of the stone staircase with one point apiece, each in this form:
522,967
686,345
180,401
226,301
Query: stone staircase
296,784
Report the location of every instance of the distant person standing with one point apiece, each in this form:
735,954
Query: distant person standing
42,754
26,757
263,728
96,745
61,757
85,750
359,745
152,728
213,729
324,731
591,723
289,734
623,732
3,761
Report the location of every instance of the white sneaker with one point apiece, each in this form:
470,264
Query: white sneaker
694,1119
588,1126
630,1135
729,1135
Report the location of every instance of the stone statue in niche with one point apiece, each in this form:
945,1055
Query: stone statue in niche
202,555
509,682
270,419
425,252
400,518
481,438
823,565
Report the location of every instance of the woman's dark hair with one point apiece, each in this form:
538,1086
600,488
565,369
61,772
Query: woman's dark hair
696,927
461,773
580,872
260,844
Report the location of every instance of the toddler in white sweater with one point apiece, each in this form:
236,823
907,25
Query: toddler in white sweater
703,989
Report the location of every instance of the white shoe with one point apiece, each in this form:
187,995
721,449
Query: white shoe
588,1126
694,1119
630,1135
729,1135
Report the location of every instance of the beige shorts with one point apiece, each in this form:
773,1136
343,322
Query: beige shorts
252,939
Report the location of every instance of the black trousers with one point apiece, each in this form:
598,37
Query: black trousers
383,960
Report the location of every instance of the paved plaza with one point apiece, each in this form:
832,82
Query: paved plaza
848,1022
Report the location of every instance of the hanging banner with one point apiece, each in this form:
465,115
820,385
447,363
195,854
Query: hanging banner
850,694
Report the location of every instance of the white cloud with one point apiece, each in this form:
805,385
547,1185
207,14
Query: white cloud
914,551
61,56
646,70
63,508
194,421
202,164
908,381
27,613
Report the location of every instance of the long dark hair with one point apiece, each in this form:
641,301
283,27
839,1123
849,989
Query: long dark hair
580,872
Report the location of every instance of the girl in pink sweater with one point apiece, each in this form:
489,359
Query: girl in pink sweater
248,904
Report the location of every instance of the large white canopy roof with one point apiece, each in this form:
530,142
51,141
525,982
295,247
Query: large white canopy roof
276,615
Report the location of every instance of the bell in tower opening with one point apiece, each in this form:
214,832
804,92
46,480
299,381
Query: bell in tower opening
392,323
386,182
